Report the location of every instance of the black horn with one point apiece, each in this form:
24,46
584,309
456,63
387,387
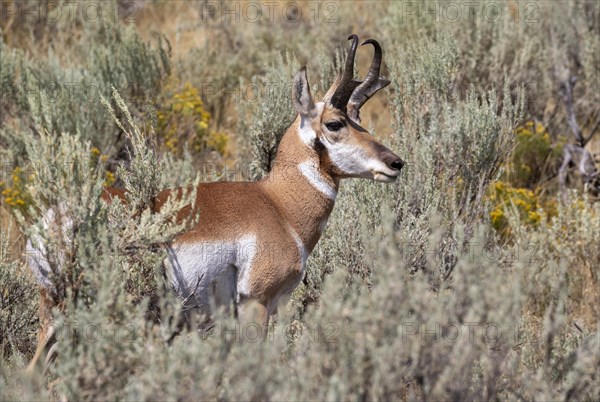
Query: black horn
347,83
371,84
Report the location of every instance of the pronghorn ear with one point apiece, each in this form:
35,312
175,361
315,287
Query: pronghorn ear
303,101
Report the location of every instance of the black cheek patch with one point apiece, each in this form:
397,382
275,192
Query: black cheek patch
319,147
324,159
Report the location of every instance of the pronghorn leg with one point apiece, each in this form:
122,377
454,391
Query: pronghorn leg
253,318
46,350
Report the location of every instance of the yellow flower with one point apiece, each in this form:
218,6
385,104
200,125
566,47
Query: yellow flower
534,217
109,179
496,214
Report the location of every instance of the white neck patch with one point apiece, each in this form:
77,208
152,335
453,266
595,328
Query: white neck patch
313,174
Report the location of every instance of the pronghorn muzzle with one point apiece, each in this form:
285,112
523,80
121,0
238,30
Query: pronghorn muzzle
392,162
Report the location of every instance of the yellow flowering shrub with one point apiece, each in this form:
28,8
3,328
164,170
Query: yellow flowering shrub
15,194
524,201
109,178
532,154
182,120
98,157
526,168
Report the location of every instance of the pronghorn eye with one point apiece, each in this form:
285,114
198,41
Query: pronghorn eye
334,126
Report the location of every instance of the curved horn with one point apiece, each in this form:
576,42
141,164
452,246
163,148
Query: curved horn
347,84
373,73
371,84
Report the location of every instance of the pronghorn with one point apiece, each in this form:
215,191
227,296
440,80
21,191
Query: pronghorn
576,155
253,238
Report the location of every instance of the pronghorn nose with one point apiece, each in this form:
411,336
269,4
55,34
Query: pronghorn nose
392,160
397,164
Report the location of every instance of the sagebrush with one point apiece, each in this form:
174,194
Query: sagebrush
470,278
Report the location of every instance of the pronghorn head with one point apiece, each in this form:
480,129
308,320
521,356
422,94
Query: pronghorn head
332,127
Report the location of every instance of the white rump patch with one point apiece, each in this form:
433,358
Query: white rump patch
311,171
37,252
212,262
